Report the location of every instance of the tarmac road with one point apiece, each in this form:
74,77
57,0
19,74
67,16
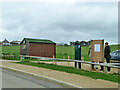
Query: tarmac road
11,79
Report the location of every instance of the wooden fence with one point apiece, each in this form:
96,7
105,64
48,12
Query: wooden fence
112,65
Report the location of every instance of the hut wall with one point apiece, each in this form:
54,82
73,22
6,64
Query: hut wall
24,48
42,49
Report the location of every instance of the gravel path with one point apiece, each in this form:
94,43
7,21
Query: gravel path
81,81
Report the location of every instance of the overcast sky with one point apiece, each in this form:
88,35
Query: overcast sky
60,21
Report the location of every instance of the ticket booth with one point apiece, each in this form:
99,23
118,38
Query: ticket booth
97,52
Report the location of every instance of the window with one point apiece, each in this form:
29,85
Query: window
24,42
24,45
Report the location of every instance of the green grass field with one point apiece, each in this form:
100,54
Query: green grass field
12,49
65,51
61,51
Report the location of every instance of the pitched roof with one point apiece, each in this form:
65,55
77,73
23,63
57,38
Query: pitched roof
15,41
38,40
5,41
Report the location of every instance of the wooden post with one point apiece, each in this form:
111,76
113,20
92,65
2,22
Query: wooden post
8,55
38,60
77,64
105,70
68,60
63,57
13,55
82,60
55,62
21,58
53,59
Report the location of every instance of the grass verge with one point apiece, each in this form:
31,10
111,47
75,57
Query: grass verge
11,58
95,75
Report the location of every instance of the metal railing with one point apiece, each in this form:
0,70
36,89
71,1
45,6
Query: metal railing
112,65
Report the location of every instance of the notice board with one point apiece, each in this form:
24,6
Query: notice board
97,50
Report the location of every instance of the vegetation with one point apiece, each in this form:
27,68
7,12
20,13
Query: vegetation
12,49
95,75
61,51
65,51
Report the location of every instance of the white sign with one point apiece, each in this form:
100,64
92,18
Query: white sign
97,47
78,46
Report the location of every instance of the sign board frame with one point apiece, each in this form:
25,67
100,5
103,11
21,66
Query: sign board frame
97,50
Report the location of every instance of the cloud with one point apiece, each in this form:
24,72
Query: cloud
61,22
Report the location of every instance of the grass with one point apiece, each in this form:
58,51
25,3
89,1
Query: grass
114,47
95,75
11,58
65,51
12,49
61,51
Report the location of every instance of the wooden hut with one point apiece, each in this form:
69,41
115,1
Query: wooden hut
38,47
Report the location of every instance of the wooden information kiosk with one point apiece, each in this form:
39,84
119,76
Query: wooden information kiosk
97,52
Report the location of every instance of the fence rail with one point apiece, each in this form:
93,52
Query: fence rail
8,55
112,65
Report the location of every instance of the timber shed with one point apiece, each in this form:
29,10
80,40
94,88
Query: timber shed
38,47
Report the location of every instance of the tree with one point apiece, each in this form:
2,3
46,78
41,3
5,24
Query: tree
82,43
66,44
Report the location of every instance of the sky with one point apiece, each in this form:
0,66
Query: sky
61,22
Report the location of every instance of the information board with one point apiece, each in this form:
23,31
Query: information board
97,50
97,47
